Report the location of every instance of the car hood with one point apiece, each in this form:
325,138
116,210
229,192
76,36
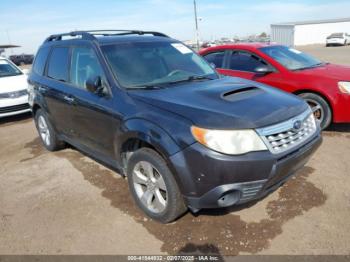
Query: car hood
13,83
225,103
336,72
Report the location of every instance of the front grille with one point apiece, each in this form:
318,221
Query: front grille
15,108
15,94
250,190
287,135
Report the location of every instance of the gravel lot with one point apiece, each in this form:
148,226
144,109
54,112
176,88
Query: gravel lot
336,54
66,203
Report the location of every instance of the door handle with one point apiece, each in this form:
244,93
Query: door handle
42,89
69,99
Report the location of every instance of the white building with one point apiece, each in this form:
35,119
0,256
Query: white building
308,32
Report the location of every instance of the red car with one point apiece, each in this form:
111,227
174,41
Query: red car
326,87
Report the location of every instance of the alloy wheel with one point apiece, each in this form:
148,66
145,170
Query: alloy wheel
317,109
44,130
150,187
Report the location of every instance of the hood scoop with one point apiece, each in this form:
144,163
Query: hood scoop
242,93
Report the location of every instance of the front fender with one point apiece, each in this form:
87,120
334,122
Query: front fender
147,131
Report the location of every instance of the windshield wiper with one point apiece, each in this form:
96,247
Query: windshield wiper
163,85
191,79
145,87
308,67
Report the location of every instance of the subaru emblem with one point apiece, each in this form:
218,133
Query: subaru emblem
297,125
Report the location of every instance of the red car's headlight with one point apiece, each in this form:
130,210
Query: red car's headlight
344,87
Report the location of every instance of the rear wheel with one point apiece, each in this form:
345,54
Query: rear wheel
153,186
319,107
46,132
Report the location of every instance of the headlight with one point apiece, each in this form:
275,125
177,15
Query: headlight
344,87
15,94
232,142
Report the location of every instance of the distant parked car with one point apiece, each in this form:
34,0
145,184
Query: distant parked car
338,39
208,44
13,89
22,59
326,87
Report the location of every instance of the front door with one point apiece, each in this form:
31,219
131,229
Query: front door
93,120
243,64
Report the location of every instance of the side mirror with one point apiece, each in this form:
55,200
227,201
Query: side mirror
263,70
94,85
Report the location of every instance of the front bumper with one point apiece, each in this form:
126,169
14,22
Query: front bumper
209,179
341,108
14,106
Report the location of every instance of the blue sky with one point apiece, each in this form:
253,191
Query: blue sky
29,22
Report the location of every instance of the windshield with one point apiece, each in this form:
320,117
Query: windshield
291,58
142,64
7,69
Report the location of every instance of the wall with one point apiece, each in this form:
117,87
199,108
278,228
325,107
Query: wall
317,33
282,34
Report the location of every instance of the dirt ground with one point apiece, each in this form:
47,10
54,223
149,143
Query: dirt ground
66,203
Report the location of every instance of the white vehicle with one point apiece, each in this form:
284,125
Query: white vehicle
13,89
338,39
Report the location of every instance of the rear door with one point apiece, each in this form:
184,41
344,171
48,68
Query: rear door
217,58
55,90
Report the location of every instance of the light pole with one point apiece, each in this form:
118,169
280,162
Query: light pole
196,22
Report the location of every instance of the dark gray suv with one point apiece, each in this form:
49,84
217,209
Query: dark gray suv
154,110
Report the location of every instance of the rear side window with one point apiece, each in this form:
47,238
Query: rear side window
40,60
243,61
58,64
216,58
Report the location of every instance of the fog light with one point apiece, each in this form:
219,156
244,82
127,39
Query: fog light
229,198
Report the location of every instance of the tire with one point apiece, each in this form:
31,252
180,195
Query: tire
320,107
46,132
148,172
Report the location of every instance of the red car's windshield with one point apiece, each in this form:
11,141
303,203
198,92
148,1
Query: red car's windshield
291,58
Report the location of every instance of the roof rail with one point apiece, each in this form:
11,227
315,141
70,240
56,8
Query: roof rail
90,35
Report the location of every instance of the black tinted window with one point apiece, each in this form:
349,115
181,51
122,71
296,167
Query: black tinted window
40,60
58,64
216,58
243,61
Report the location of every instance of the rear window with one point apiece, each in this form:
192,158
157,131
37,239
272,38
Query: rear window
40,60
58,64
336,35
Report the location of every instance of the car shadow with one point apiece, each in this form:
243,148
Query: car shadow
9,120
339,128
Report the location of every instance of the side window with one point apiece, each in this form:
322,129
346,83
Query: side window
58,64
85,65
216,58
40,60
244,61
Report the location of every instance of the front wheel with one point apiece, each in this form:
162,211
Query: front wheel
153,186
320,108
